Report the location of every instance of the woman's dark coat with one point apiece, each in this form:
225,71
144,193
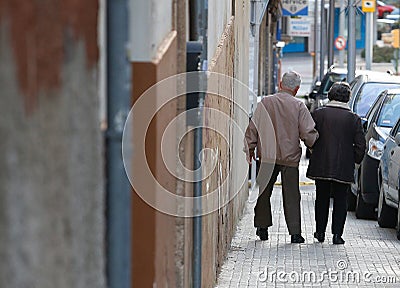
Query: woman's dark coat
341,143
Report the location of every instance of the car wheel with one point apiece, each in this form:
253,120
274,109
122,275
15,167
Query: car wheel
363,210
386,214
351,201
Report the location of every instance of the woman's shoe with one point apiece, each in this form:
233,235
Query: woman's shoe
297,238
337,239
320,236
262,233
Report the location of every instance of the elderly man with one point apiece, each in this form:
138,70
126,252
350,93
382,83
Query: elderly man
279,122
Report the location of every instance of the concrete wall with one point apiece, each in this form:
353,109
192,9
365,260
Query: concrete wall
230,58
153,248
151,22
241,98
51,185
219,14
216,234
160,253
162,245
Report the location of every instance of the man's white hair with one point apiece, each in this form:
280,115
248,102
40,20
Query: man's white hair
291,80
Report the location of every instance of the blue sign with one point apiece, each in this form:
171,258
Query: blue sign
294,7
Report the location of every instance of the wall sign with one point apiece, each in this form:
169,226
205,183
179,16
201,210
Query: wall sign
299,27
294,7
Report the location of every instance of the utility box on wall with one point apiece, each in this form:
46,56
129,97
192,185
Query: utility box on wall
193,52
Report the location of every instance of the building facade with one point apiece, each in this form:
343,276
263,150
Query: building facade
52,182
67,220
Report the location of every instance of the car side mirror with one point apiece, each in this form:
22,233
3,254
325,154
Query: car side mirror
313,94
364,123
397,139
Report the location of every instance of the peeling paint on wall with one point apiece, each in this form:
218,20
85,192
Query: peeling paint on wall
41,35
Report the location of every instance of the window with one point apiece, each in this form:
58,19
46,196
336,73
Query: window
332,79
368,94
390,111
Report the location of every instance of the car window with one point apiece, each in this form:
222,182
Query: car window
332,79
395,129
352,84
375,105
390,111
368,94
372,113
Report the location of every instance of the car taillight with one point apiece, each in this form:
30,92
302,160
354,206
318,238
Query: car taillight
375,148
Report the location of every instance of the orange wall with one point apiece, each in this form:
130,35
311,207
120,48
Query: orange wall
154,233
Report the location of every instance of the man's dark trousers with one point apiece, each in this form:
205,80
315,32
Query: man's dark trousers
266,179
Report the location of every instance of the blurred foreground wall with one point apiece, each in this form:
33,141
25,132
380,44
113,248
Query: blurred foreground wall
158,46
51,159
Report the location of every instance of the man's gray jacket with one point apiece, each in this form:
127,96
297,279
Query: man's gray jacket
279,122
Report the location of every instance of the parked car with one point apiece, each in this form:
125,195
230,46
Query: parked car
394,15
366,88
389,182
318,95
379,120
384,9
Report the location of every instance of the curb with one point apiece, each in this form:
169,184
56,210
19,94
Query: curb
301,183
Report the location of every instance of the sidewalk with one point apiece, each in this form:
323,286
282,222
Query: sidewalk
371,255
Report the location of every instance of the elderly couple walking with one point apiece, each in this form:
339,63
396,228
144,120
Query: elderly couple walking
337,141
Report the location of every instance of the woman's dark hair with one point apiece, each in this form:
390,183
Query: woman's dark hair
340,91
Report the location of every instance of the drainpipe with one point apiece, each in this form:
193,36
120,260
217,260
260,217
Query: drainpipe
194,10
200,12
118,197
197,192
258,9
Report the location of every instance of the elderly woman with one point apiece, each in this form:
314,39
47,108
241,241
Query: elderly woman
341,143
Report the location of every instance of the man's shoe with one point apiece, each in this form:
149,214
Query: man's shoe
262,233
297,238
320,236
337,239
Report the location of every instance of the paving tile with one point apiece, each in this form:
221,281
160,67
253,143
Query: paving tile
369,258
